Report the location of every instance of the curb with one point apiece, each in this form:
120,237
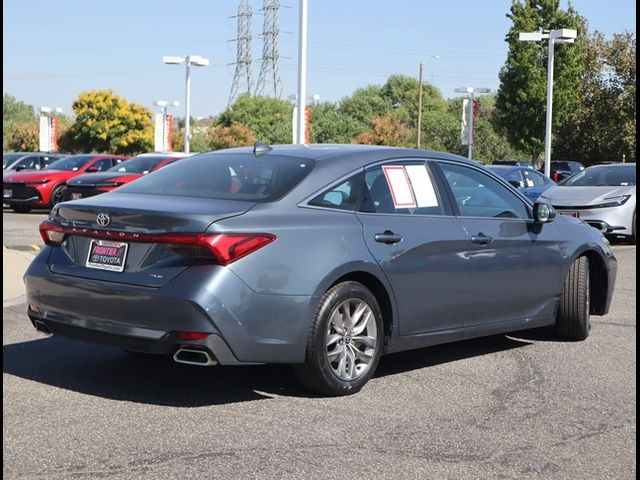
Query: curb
23,248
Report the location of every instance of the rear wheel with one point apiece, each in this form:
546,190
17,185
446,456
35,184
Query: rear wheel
345,341
574,319
21,208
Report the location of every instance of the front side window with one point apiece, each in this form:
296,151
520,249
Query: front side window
401,188
479,195
102,165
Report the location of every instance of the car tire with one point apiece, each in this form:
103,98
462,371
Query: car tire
57,196
574,319
21,208
344,343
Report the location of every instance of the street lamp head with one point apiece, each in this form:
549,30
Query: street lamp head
198,61
161,103
45,109
481,90
58,109
175,103
173,59
563,35
530,36
464,90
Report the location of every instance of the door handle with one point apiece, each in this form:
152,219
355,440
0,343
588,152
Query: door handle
481,239
387,237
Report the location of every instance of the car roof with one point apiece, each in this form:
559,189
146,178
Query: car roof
350,155
613,165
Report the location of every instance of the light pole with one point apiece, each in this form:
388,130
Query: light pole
471,91
164,105
302,74
563,35
420,98
188,61
315,98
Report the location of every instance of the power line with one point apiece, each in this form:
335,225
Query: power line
242,82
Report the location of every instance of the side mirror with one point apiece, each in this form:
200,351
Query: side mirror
516,183
19,167
92,169
543,213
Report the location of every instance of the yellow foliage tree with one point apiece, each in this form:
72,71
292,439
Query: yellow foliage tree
105,122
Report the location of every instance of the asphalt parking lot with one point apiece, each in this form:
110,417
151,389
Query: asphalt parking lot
521,406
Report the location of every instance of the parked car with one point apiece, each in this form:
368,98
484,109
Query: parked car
529,181
19,161
561,170
23,191
604,196
91,184
325,257
513,163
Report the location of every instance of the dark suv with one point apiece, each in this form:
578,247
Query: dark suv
17,161
561,170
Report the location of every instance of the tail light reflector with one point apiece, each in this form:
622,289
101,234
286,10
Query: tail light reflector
192,335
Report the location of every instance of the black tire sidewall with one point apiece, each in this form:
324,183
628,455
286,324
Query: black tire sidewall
317,355
57,190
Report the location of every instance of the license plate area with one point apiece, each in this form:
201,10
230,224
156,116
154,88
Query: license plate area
6,193
107,255
76,196
569,213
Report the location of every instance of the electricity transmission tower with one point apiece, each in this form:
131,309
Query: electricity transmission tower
242,76
269,78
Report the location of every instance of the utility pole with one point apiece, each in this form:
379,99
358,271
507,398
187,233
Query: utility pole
419,106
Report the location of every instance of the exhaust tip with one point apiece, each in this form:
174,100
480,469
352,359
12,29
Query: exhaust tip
192,356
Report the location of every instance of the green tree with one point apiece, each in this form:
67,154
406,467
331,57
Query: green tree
329,125
605,126
269,118
521,99
365,104
15,112
105,122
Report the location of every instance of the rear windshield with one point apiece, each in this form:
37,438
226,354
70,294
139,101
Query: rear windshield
72,163
144,164
226,177
603,177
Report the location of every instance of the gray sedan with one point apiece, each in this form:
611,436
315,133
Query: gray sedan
604,196
320,256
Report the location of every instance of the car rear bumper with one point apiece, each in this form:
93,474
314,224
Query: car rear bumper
243,326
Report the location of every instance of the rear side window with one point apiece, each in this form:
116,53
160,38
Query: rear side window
226,177
343,196
401,188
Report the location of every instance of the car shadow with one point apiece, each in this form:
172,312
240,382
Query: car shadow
395,363
106,372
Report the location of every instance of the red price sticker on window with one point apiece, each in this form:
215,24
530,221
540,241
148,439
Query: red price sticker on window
400,187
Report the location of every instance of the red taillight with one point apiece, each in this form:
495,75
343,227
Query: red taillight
224,247
192,335
52,234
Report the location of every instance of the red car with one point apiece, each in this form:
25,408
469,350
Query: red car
23,191
91,184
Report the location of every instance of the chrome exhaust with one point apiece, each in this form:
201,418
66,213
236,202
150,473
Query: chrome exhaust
192,356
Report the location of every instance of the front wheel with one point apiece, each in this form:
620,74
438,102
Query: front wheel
574,319
345,341
57,195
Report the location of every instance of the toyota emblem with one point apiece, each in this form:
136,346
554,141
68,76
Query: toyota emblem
103,219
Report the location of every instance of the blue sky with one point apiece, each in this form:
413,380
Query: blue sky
53,50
